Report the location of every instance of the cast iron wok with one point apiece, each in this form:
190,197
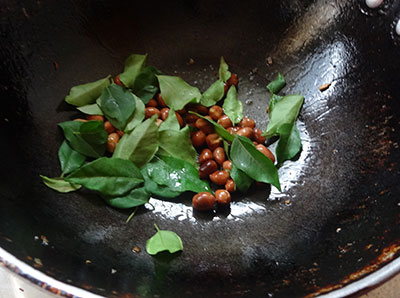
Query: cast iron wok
337,218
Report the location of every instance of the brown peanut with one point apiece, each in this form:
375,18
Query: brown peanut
216,112
203,201
198,138
213,141
219,155
258,137
222,196
109,127
205,155
204,126
230,185
233,80
150,111
224,121
160,101
95,118
245,132
112,141
247,122
152,103
207,168
219,177
264,150
227,165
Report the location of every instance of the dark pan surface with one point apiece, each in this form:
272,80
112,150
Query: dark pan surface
338,213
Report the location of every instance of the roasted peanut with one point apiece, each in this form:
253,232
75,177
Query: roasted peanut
118,81
219,177
109,127
203,201
222,196
80,120
181,111
204,126
224,121
213,141
247,122
198,138
226,88
232,130
200,109
219,155
227,165
191,118
205,155
112,141
216,112
164,113
264,150
152,103
230,185
245,132
96,117
150,111
160,100
257,136
206,168
233,80
120,132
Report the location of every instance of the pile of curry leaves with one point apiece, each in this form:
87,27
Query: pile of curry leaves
161,161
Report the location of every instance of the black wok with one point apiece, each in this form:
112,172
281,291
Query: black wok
337,218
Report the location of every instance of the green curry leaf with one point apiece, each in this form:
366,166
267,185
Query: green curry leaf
109,176
136,197
59,184
232,106
246,157
275,86
163,241
137,116
85,94
91,109
88,138
146,83
133,66
176,93
70,159
223,72
213,94
117,104
140,145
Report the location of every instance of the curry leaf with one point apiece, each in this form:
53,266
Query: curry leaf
88,138
219,129
146,83
137,116
168,140
140,145
91,109
177,174
70,159
176,93
247,158
87,93
171,123
109,176
241,179
59,184
223,72
213,94
133,66
136,197
283,114
275,86
233,107
162,241
117,104
157,189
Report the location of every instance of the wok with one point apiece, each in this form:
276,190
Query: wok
336,220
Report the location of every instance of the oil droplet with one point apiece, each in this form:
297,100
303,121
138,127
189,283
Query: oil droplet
398,27
373,3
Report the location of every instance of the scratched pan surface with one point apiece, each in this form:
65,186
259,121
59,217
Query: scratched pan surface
337,218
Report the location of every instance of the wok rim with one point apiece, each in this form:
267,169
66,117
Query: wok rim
48,283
